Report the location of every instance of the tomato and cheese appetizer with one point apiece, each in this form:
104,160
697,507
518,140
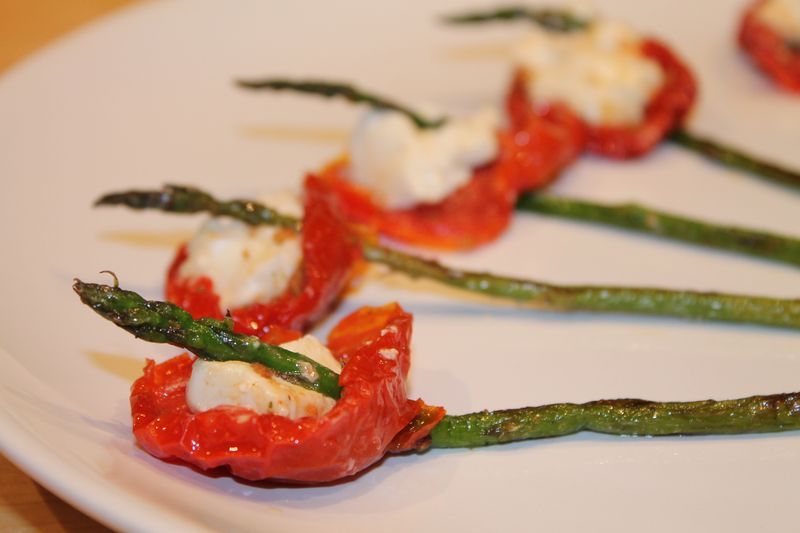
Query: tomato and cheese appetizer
770,35
403,165
237,415
449,183
628,91
451,187
267,277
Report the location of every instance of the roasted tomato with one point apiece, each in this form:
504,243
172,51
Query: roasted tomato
329,253
665,112
532,153
542,140
371,417
475,214
779,59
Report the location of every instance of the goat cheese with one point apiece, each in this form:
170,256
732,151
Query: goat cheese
783,16
246,264
240,384
403,165
600,73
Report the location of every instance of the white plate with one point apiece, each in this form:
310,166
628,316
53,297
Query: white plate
145,97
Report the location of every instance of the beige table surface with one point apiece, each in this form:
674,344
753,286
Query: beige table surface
26,26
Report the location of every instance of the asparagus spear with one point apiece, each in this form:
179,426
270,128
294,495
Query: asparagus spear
652,301
550,19
179,199
348,92
209,339
632,300
212,339
713,150
756,414
641,218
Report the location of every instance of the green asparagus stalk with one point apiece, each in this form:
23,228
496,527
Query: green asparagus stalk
210,339
348,92
731,157
756,414
631,300
651,301
551,19
180,199
643,219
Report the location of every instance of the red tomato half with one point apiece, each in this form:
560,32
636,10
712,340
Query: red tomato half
329,253
773,54
357,432
665,112
531,154
473,215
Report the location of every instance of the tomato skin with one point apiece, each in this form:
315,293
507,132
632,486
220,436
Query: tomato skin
474,214
329,255
357,432
542,139
665,112
769,51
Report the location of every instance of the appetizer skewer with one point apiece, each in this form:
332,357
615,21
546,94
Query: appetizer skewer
370,416
545,296
621,133
276,274
248,417
260,278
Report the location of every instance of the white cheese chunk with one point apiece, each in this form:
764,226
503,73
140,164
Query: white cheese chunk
783,16
235,383
403,165
600,73
246,264
310,346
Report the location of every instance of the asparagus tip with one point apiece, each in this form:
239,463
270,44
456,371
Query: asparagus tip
113,198
80,288
246,84
277,83
106,199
